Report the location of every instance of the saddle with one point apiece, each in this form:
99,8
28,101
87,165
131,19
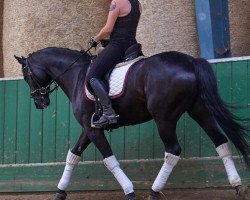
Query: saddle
132,54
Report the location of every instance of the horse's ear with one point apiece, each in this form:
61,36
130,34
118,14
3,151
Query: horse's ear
20,59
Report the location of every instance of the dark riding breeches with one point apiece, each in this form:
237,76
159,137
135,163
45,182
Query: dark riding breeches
108,58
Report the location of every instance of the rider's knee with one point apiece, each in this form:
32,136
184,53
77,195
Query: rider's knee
88,78
89,81
93,80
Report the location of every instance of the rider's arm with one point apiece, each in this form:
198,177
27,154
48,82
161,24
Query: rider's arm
114,12
140,7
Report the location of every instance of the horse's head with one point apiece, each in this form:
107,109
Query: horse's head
38,80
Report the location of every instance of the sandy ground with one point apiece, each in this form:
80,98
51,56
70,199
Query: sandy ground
180,194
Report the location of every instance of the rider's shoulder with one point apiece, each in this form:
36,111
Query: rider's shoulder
120,2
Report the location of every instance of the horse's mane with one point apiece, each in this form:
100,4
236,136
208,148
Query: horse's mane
58,51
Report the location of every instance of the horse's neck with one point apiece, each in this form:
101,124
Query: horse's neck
69,77
69,81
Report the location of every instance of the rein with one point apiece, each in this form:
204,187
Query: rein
69,67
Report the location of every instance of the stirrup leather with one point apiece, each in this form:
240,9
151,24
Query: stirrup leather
97,114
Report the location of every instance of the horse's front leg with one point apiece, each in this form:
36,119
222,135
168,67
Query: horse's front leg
72,160
98,138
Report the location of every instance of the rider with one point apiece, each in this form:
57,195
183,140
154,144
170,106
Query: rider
121,25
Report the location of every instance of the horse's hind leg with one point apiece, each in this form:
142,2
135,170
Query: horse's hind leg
166,129
166,109
203,117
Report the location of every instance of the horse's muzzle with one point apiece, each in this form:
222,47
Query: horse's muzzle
41,104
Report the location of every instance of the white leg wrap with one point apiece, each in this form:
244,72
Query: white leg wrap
170,161
113,165
71,161
225,154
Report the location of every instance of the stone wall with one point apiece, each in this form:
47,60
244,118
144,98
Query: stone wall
168,25
29,25
239,12
1,38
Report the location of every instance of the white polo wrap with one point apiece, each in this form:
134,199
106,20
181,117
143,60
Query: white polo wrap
170,161
225,154
113,165
71,161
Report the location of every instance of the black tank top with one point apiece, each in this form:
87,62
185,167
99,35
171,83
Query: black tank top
125,27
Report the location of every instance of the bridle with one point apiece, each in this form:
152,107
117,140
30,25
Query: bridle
37,90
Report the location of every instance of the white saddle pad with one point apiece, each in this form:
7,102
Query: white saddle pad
116,80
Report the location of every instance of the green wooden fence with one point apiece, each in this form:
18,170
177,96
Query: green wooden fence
34,143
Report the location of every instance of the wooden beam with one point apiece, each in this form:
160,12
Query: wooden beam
189,173
213,28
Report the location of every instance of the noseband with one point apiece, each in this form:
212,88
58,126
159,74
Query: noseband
37,88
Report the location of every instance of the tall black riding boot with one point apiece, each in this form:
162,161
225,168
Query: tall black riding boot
108,115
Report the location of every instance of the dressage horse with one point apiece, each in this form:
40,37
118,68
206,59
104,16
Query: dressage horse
161,87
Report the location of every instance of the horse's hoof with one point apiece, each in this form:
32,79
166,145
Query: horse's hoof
156,196
131,196
243,192
60,196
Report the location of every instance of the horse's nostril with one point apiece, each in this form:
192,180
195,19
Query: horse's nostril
41,104
38,105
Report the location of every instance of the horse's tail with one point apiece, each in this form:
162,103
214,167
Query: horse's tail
230,124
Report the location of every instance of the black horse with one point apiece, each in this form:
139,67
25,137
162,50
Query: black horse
161,87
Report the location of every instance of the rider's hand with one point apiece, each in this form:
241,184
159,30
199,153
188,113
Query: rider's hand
93,42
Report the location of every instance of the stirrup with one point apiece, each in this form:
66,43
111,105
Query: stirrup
109,120
97,114
95,117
